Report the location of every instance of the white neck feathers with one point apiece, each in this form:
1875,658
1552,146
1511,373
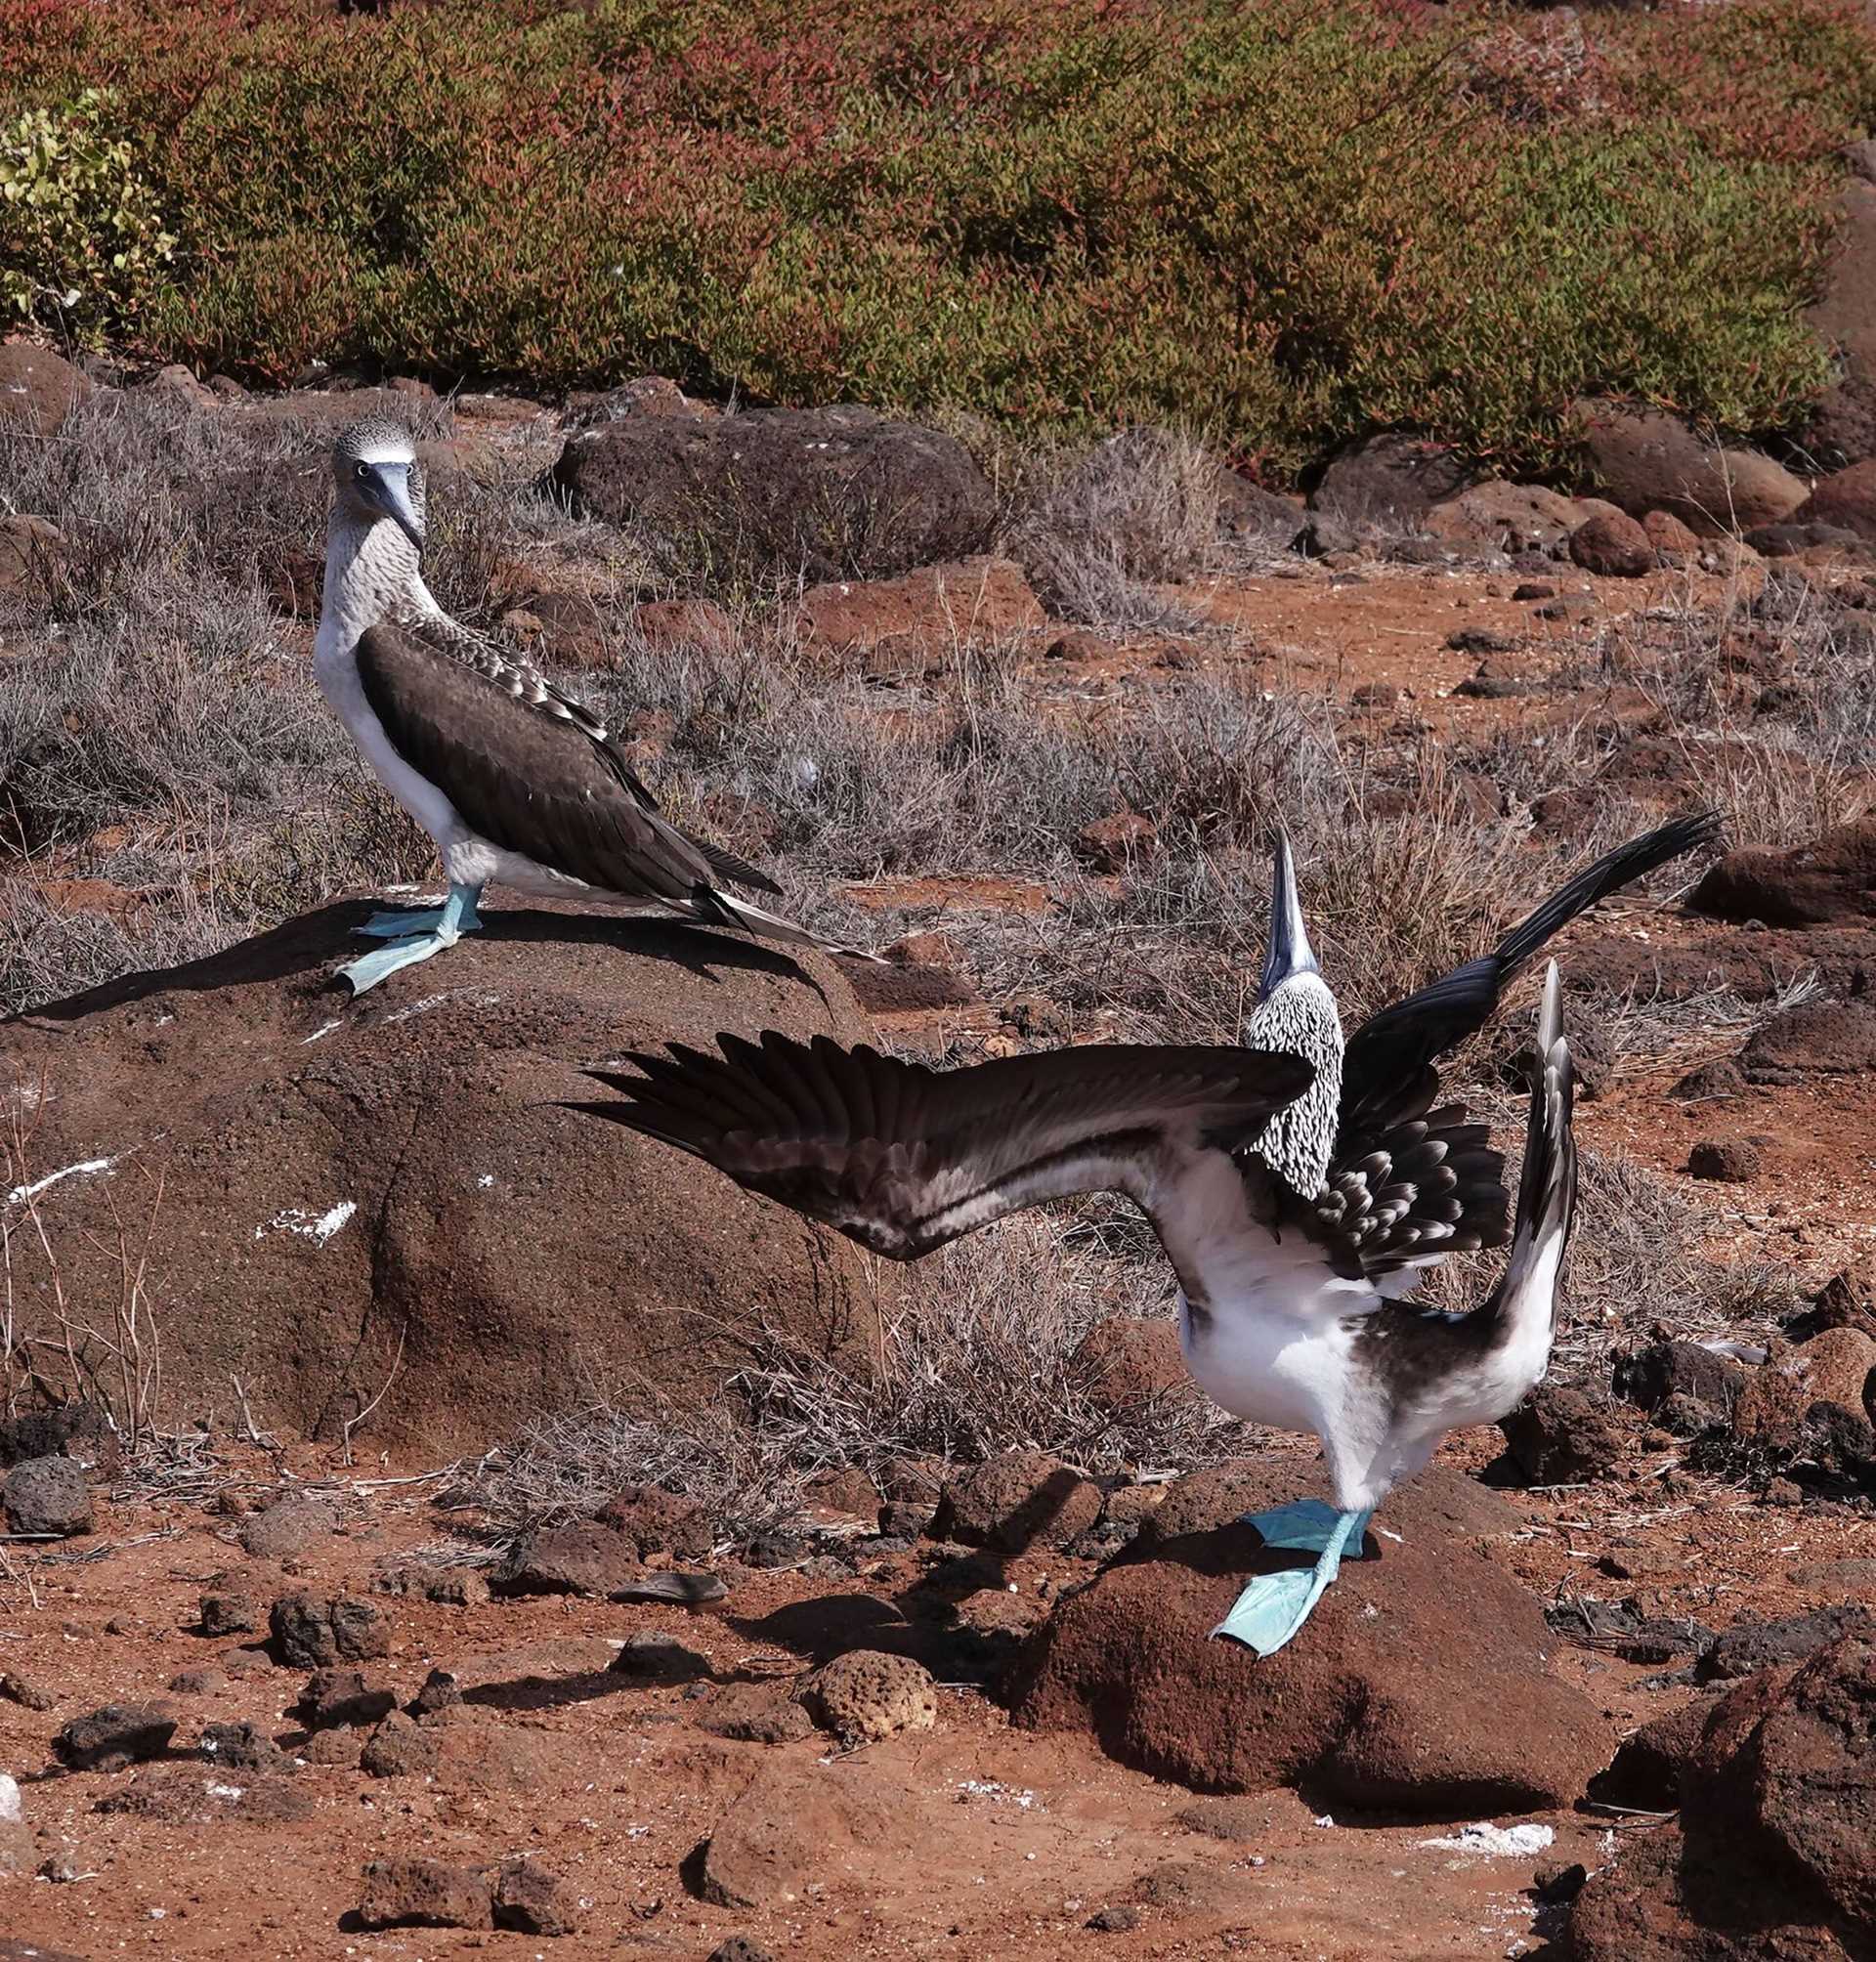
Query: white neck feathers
372,572
1300,1019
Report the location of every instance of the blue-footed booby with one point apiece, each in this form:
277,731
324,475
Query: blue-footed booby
1294,1234
515,780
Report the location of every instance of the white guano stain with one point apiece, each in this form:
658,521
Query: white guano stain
1496,1842
90,1169
317,1227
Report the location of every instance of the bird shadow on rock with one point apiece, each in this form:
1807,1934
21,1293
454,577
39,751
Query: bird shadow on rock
313,945
698,950
1236,1549
654,1661
537,1693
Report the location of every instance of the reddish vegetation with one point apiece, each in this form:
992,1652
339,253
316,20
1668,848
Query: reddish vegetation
1296,223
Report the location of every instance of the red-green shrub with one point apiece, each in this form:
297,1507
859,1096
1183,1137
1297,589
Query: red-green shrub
1290,220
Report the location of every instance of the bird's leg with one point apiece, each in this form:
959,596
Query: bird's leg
1273,1606
422,933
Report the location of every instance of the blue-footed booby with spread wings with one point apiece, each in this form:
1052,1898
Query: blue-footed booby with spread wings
1294,1237
515,780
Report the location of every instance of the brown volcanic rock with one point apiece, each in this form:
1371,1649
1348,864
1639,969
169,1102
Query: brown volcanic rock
842,492
1847,1299
424,1894
1668,537
1497,516
1663,1901
1831,879
39,389
1815,1038
1836,1366
1126,1366
1614,547
1017,1500
1759,965
1391,476
1373,1705
340,1177
1643,460
1563,1436
582,1558
1776,1856
1847,501
780,1834
1805,1775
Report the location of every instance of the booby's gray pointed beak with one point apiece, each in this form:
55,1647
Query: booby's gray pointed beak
1290,952
388,488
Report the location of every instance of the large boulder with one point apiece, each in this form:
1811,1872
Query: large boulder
1776,1851
839,493
1644,460
343,1198
1374,1705
39,389
1819,1037
1830,879
1391,479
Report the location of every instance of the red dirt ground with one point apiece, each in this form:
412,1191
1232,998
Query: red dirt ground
969,1841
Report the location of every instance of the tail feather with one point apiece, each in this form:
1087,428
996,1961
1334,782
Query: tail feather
739,871
716,908
1523,1305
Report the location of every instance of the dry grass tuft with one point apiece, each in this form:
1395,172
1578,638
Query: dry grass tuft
1099,530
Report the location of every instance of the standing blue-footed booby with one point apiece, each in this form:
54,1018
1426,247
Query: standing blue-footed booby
514,779
1292,1237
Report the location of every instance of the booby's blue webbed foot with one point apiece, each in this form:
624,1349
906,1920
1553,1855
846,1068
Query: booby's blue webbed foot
1273,1606
458,911
412,936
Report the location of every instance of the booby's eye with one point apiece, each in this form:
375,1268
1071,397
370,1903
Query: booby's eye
362,472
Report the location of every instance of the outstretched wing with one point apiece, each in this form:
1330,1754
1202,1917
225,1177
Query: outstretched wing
1411,1183
1386,1052
526,767
903,1158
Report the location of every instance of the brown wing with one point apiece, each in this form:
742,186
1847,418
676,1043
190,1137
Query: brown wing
527,769
903,1158
1389,1048
1411,1183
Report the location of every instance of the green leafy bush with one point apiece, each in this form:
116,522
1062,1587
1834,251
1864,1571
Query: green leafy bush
1292,221
83,244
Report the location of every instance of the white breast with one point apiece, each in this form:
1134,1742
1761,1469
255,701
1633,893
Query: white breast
1271,1340
1278,1369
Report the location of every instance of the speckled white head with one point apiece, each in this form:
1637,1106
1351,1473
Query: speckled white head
376,475
1297,1014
